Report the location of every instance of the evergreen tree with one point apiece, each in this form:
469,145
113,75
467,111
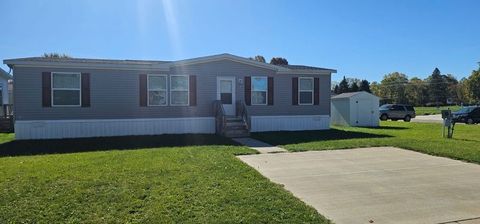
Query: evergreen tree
336,89
437,87
354,87
343,86
365,86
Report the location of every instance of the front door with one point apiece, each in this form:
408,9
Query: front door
226,93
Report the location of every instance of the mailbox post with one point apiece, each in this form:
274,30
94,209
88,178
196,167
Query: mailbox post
448,123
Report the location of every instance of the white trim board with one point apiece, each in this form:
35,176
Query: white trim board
289,123
55,129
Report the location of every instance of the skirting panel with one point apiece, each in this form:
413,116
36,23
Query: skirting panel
290,123
53,129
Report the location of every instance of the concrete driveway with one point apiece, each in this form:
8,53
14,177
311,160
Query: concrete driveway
379,185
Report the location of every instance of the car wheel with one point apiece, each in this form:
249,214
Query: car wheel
384,117
469,121
407,118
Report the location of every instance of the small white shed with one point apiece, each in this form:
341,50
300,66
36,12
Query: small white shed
355,109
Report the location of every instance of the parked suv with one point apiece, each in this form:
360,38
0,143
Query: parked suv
397,112
467,115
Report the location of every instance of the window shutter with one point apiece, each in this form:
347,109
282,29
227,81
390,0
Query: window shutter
316,91
85,89
248,90
46,89
143,90
270,91
295,91
193,90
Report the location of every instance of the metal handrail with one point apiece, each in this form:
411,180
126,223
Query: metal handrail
7,111
243,113
220,116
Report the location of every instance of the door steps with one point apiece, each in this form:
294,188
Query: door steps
235,127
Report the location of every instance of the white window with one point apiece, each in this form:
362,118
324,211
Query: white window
305,91
259,90
157,90
179,86
66,89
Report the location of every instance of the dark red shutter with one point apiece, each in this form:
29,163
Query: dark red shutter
316,91
193,90
46,89
248,90
85,89
270,91
294,91
143,90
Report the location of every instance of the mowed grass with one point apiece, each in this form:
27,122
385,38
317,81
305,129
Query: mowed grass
421,137
435,110
188,184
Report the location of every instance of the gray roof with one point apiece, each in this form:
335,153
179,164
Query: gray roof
345,95
348,95
90,60
160,64
304,67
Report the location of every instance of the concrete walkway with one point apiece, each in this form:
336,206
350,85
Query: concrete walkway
260,146
377,185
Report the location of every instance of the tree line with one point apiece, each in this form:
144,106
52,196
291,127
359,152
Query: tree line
437,89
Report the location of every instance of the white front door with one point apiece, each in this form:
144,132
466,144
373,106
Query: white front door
226,93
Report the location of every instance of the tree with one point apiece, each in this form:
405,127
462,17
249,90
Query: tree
437,87
417,92
258,58
365,86
376,89
463,92
278,61
474,85
452,85
336,89
354,87
393,87
55,55
343,87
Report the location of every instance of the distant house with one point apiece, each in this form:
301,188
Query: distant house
355,109
4,86
224,94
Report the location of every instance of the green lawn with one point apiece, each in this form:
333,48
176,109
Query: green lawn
421,137
104,181
434,110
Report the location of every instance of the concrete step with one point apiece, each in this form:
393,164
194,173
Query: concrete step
236,133
237,125
234,119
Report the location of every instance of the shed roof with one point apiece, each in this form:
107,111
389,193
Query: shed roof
349,95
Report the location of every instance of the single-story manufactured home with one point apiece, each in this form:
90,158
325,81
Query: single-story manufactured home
225,94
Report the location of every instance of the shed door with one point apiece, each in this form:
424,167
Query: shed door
365,112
